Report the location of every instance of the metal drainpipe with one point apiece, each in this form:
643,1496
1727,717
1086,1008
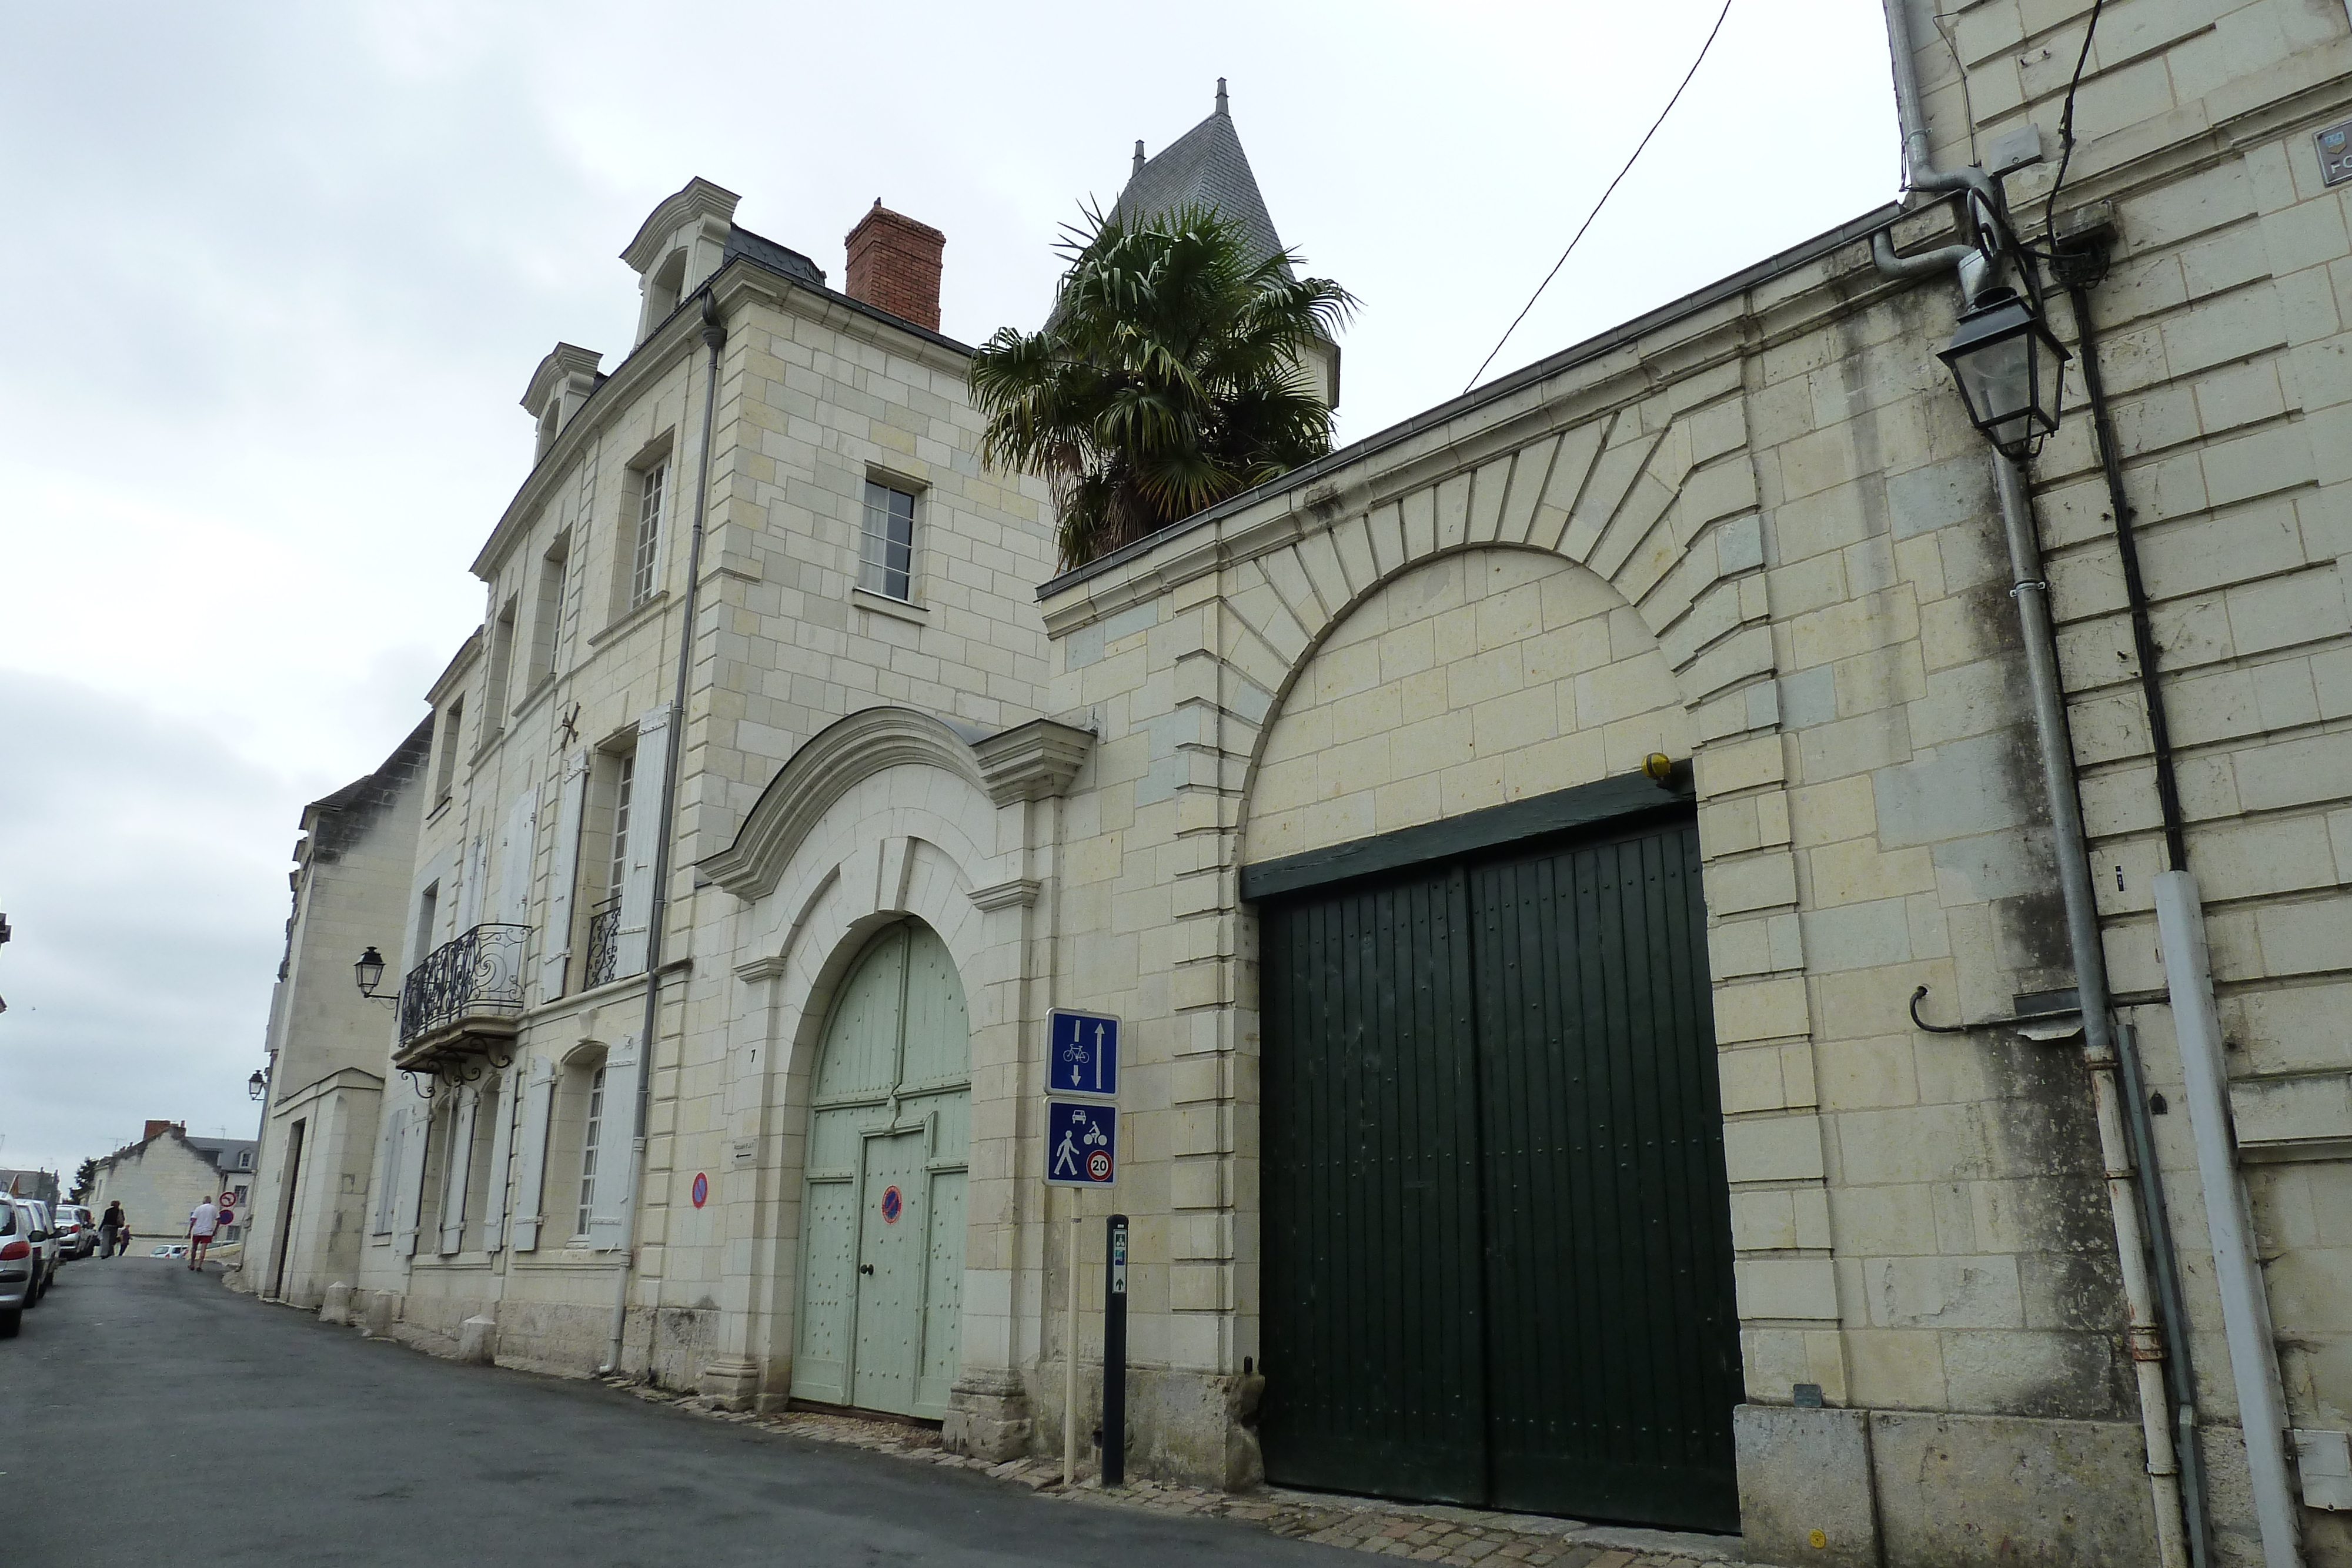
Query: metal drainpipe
2177,1543
2032,595
2180,1373
714,338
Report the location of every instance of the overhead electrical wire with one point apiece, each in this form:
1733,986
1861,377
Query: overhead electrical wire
1605,195
2066,124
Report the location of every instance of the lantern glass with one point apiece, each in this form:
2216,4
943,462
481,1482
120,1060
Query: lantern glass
2009,370
258,1085
370,971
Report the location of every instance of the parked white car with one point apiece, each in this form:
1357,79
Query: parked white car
20,1268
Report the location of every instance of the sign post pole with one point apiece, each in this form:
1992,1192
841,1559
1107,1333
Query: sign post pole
1114,1398
1070,1355
1082,1057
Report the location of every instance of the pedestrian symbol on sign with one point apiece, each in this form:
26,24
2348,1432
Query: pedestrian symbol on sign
1081,1143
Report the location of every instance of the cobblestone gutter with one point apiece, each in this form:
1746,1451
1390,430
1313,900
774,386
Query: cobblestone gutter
1420,1534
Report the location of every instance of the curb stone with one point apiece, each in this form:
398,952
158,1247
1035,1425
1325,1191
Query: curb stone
1432,1533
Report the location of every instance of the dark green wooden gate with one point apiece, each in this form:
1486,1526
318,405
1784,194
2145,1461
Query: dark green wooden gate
1497,1236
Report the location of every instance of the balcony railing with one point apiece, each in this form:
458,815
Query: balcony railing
604,943
478,978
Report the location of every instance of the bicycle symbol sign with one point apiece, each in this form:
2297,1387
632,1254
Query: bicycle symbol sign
1084,1054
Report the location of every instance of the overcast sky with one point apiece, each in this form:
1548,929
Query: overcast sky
278,274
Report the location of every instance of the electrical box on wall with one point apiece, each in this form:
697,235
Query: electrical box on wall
2325,1461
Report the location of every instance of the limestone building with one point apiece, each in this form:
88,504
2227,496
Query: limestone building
1641,1000
160,1179
352,865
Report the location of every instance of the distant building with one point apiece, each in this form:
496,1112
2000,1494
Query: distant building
326,1040
160,1179
41,1185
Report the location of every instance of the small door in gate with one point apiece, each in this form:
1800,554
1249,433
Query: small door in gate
890,1269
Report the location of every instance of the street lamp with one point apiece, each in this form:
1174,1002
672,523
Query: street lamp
258,1085
2010,368
369,972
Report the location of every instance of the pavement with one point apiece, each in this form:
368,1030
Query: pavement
164,1418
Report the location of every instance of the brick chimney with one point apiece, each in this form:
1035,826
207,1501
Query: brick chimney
894,262
156,1130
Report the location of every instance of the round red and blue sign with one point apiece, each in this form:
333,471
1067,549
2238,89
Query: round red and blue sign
894,1204
701,1189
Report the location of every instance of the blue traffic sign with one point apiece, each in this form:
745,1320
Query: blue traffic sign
1081,1143
1083,1052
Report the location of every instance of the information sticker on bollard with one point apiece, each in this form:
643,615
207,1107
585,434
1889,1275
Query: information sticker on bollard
1081,1143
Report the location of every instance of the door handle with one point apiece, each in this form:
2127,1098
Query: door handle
865,1267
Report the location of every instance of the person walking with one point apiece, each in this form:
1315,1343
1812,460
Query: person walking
110,1227
203,1220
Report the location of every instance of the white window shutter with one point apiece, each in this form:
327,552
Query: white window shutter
458,1168
555,942
469,896
616,1171
499,1090
645,808
516,845
531,1164
414,1136
387,1169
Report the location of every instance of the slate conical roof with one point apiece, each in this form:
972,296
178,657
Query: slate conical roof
1204,167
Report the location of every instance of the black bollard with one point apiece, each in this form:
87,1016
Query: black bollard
1114,1396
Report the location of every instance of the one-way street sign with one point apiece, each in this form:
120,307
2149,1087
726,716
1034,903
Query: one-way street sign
1082,1052
1081,1143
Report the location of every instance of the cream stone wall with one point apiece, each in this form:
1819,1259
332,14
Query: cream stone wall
1477,678
1753,532
1775,488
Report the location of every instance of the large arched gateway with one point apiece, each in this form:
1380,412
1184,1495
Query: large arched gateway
881,1276
1498,1259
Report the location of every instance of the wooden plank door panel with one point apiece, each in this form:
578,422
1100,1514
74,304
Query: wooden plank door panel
828,1292
1613,1345
1371,1279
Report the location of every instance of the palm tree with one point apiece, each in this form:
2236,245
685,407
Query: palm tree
1166,380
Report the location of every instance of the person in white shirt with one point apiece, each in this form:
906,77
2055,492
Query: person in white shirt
203,1220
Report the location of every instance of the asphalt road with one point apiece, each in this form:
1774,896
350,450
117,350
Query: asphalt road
149,1416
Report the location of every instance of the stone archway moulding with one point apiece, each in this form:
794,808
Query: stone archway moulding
1660,499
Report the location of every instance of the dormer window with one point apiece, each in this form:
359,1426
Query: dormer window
681,243
559,389
662,288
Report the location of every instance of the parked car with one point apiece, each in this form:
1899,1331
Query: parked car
20,1266
77,1232
44,1238
32,1226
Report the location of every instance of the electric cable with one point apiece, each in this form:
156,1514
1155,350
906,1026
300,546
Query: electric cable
1605,195
2066,124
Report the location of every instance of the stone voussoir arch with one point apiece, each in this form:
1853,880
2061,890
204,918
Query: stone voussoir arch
1666,517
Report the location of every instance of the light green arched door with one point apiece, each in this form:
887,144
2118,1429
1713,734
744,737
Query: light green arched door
881,1289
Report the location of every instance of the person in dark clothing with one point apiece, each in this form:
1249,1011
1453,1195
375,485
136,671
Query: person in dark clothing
113,1232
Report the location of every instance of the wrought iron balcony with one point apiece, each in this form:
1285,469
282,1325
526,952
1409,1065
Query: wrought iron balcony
604,943
463,1000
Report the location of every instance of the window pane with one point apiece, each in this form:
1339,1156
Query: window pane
886,542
